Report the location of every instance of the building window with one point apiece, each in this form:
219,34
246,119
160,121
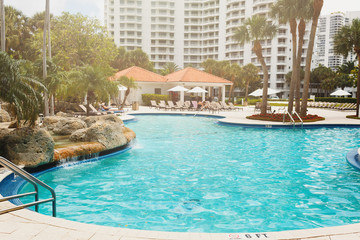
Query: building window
158,91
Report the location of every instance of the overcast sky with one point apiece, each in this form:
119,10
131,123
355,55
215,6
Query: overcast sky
95,8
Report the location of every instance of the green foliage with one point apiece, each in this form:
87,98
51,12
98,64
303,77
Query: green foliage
19,89
77,40
17,33
335,99
168,68
137,57
251,101
93,82
146,98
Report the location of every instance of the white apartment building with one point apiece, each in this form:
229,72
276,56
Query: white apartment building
328,26
187,32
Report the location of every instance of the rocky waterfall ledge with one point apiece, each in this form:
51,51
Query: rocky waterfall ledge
74,138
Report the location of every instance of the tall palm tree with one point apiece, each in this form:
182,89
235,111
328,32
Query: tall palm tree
19,90
46,95
233,73
255,29
317,6
2,33
292,11
250,74
348,40
92,82
129,83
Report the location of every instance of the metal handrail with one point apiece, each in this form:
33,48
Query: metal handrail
302,122
291,118
32,180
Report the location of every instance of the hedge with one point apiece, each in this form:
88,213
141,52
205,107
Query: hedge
146,98
335,99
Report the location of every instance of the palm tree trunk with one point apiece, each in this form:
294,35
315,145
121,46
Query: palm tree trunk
293,25
231,93
2,13
246,93
301,28
127,92
258,51
318,4
46,96
358,86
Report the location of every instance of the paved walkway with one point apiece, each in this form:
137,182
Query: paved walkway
28,225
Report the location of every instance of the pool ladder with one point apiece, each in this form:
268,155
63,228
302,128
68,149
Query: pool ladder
32,180
293,122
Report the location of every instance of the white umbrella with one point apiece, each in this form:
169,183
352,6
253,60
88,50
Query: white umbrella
197,90
259,92
122,88
178,89
340,93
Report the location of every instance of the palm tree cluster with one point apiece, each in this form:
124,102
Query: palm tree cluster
259,28
241,76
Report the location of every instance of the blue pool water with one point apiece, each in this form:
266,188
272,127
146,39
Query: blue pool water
193,174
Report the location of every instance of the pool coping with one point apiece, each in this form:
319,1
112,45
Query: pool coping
17,225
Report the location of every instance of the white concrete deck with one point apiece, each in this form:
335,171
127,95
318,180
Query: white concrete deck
28,225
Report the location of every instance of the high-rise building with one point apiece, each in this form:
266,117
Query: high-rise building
328,26
187,32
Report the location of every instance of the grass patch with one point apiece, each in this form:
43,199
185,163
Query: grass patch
279,117
278,104
353,117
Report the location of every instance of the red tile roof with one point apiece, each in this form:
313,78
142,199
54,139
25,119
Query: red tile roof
190,74
140,75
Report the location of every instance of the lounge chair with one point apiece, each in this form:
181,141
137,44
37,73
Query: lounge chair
187,105
257,106
153,104
162,105
214,107
85,111
233,107
180,105
172,106
194,105
225,106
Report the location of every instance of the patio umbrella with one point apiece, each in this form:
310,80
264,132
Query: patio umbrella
340,93
179,89
197,90
122,88
259,92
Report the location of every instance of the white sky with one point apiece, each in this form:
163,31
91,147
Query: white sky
95,8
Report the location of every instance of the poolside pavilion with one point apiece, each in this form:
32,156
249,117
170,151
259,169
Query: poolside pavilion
152,83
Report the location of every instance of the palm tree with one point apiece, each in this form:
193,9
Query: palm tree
92,82
233,73
2,33
129,83
46,95
20,90
168,68
348,40
290,11
317,6
255,29
250,74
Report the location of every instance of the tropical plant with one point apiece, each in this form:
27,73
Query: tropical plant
93,83
317,6
233,73
129,83
256,29
348,40
125,59
20,90
168,68
250,76
292,11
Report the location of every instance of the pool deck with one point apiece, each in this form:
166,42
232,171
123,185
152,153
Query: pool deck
28,225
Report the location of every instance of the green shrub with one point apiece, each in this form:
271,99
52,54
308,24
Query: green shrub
146,98
251,101
335,99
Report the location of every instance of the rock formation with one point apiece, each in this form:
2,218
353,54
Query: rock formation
4,116
28,146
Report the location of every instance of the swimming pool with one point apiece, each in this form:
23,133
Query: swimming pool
192,174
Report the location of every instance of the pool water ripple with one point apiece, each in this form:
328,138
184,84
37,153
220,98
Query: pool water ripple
193,174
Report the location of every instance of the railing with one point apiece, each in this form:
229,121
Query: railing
32,180
302,122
